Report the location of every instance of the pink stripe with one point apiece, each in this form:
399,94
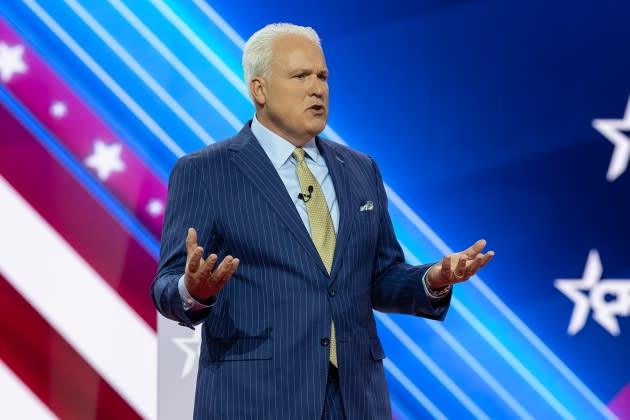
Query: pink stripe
38,88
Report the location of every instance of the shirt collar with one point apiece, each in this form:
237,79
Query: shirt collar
278,149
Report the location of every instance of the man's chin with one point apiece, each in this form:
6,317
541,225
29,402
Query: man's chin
317,127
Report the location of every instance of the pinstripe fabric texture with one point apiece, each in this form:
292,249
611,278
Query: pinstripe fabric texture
333,404
264,353
322,229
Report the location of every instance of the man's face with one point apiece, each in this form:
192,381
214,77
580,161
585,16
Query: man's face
295,96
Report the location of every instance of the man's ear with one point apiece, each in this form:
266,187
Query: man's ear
258,89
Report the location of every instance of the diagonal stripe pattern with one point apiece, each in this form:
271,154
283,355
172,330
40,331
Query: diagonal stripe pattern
322,228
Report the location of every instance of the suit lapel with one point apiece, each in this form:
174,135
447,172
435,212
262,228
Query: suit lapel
250,158
338,170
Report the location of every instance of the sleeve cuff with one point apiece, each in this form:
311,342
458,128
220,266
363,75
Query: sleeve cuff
189,302
434,293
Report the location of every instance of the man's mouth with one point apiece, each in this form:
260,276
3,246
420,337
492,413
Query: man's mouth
317,108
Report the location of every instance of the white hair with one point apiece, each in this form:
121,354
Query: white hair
257,51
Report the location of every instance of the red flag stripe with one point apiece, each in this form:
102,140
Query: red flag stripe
17,398
50,367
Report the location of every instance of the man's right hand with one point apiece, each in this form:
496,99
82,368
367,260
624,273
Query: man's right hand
201,280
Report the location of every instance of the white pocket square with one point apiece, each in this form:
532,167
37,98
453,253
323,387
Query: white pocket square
368,206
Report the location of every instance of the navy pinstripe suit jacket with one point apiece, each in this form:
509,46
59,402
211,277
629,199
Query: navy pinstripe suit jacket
263,353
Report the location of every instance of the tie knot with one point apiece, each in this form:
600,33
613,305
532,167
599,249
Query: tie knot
298,153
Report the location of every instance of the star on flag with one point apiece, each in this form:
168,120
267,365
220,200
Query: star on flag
105,159
155,207
58,109
11,61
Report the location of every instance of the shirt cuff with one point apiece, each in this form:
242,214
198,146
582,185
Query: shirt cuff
434,293
189,302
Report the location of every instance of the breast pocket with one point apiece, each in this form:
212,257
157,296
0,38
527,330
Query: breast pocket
366,220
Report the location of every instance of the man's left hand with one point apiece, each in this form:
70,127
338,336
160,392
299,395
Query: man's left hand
459,267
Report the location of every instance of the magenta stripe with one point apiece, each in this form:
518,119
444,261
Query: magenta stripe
620,405
78,217
38,88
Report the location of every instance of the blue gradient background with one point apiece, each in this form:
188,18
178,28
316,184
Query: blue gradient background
479,114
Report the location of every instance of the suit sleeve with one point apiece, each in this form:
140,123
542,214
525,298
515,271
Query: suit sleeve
397,286
188,205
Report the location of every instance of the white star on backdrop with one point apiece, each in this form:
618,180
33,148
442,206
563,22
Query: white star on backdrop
11,61
572,288
58,109
612,129
191,346
105,159
155,207
606,298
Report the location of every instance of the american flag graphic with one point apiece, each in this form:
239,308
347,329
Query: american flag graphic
74,278
97,101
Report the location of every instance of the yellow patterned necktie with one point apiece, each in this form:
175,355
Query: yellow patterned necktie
322,228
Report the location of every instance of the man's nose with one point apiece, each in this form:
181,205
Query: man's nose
317,87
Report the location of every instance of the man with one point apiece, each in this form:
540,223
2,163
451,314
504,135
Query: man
288,327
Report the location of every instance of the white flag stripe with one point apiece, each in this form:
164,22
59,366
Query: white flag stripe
18,401
78,303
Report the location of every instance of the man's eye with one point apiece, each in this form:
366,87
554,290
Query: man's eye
300,76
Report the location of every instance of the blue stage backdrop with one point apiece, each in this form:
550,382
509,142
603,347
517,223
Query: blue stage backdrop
508,121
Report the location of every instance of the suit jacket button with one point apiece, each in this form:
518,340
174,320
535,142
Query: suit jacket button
324,342
331,292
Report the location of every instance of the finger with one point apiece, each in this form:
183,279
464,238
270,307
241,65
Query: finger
191,240
232,269
460,269
487,258
479,262
476,248
205,273
235,264
445,273
475,265
195,260
220,274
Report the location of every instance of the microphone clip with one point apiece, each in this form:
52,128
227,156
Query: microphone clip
306,197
